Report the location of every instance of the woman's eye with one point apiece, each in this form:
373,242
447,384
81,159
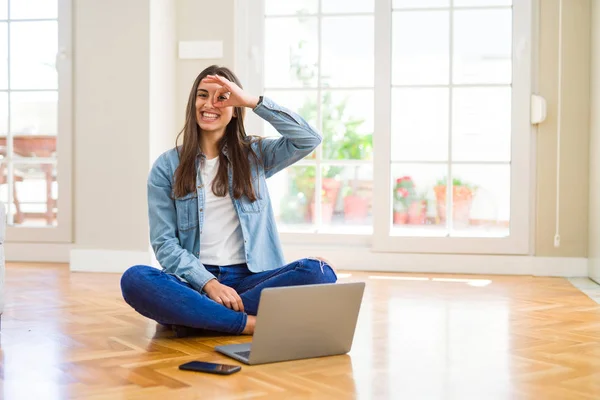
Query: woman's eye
203,95
222,98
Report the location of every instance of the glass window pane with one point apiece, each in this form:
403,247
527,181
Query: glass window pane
482,3
481,121
34,146
347,6
35,194
33,47
3,55
414,208
348,62
33,113
4,12
420,3
3,113
482,46
291,7
420,47
291,58
347,198
302,102
481,196
293,192
420,124
33,9
347,125
9,208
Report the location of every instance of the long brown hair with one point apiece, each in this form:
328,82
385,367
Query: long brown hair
235,138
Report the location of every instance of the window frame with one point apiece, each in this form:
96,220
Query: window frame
249,60
62,232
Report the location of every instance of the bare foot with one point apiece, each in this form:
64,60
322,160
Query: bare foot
250,324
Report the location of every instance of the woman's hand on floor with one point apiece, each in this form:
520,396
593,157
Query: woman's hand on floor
224,295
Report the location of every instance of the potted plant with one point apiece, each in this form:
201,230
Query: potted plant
417,210
342,140
462,198
330,187
356,207
326,209
404,194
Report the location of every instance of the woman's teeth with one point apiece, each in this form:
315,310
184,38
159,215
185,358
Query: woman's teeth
209,116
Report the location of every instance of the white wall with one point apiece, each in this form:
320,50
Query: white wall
111,146
130,97
163,67
594,185
575,129
202,20
124,118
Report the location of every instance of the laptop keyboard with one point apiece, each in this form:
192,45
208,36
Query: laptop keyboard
245,354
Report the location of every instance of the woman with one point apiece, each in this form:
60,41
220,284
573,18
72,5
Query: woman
212,226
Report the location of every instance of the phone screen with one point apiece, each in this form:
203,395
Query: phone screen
201,366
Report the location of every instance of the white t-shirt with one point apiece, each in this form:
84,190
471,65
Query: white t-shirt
221,240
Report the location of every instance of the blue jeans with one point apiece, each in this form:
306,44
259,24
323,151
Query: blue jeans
169,301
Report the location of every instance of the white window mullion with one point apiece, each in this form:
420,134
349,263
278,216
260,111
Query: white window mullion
10,179
521,147
64,150
249,55
447,8
302,89
382,185
450,177
319,152
308,15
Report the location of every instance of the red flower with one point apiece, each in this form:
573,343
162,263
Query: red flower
402,192
404,179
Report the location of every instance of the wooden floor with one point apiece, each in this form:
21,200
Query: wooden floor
70,335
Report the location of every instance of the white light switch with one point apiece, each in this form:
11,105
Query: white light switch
200,49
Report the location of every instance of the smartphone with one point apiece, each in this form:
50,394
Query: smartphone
201,366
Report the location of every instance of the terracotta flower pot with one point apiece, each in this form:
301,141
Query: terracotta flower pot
331,187
326,212
417,213
462,198
400,217
355,208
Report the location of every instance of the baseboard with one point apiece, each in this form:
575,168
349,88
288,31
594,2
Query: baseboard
364,260
37,252
357,259
571,267
95,260
594,268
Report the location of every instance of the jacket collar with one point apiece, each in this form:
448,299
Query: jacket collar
224,150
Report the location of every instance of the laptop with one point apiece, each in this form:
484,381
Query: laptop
297,322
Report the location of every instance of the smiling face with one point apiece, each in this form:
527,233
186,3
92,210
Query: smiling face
211,119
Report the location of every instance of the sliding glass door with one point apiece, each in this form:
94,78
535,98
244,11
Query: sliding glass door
424,110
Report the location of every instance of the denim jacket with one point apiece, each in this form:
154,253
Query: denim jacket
176,223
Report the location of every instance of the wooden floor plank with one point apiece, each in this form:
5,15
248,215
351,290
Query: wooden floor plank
71,336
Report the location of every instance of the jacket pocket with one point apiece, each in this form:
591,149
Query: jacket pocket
260,188
187,211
